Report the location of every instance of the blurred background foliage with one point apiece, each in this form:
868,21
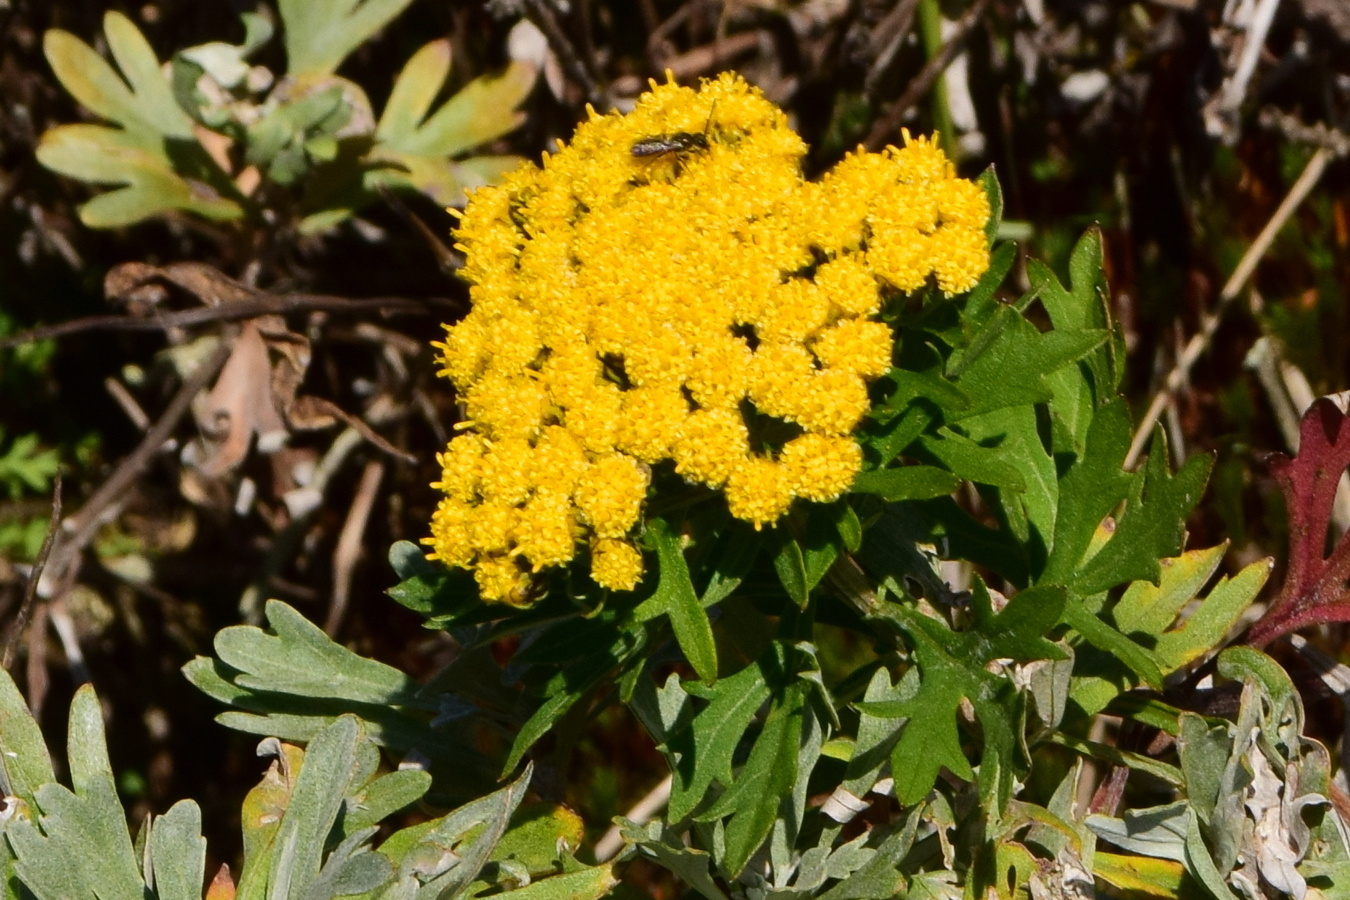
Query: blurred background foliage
297,160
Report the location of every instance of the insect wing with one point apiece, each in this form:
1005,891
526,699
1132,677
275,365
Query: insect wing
654,146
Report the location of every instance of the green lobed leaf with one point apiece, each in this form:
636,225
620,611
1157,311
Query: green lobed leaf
1152,608
296,718
1019,630
1216,615
876,735
906,483
707,744
143,104
104,155
752,800
1152,526
1091,489
1007,361
930,741
1084,306
1027,513
153,96
675,596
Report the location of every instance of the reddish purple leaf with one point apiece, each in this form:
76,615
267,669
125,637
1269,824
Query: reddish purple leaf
1314,590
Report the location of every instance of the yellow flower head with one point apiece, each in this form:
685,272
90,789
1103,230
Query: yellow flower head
668,290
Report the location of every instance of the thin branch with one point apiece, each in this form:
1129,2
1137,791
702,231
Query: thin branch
641,813
301,504
884,45
1199,342
715,55
348,548
267,304
888,126
30,592
657,39
540,14
81,527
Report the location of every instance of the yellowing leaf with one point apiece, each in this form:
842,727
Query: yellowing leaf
1145,876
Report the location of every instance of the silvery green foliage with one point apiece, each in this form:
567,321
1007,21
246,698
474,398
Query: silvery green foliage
212,134
309,826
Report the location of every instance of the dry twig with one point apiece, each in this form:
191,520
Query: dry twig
541,15
888,126
30,592
348,548
1199,342
80,528
265,304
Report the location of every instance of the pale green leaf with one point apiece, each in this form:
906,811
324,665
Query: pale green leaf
25,764
1216,615
414,91
177,852
320,33
153,95
484,110
585,884
1151,608
298,658
325,778
83,847
91,81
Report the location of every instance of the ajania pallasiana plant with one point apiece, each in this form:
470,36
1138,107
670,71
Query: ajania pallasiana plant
706,306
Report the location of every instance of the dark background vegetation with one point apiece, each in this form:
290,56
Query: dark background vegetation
1092,113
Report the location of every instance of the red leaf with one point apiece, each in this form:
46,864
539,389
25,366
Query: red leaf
1314,590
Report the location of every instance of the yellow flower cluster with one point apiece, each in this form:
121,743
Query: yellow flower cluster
659,290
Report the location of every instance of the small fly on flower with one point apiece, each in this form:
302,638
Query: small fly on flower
679,143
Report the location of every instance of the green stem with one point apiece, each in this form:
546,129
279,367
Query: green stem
930,32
